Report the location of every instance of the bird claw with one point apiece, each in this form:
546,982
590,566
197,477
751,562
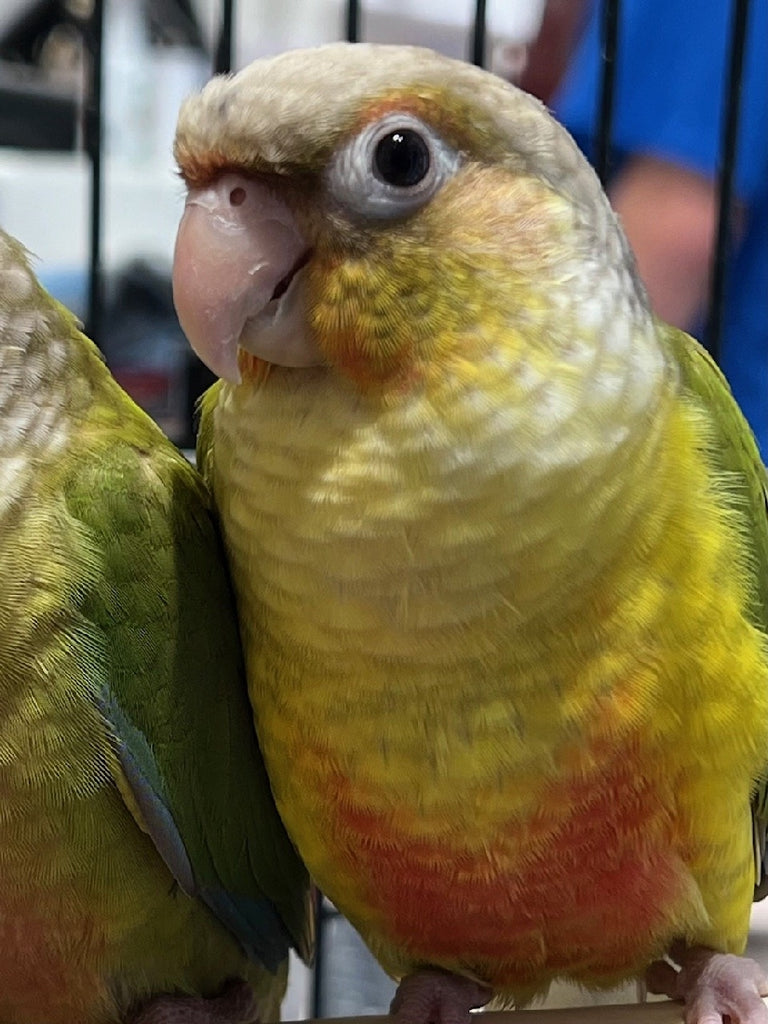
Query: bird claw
713,986
235,1005
436,997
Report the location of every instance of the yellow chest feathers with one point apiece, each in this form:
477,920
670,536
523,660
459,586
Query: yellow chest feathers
427,533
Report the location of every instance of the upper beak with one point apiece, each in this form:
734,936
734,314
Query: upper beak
238,257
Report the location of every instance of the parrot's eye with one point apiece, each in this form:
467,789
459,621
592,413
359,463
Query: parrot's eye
392,168
401,158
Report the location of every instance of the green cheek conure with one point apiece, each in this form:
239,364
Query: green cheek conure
498,536
140,850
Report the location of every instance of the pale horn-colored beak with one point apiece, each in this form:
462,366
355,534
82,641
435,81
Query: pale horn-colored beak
237,277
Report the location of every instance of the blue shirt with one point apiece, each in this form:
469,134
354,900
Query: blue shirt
672,69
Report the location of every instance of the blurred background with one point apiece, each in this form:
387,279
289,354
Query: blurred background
601,65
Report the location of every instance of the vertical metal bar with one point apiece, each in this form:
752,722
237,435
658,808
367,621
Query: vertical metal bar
94,40
609,34
352,26
477,56
726,170
222,58
318,996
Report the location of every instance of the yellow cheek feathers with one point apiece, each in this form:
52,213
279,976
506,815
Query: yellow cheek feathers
423,290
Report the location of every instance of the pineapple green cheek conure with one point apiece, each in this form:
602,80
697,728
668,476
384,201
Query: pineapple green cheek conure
498,537
143,867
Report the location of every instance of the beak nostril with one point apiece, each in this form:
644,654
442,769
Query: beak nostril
237,196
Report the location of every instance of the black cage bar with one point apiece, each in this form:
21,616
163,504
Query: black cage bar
728,154
93,138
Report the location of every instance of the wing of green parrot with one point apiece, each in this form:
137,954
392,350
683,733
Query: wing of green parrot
176,701
734,455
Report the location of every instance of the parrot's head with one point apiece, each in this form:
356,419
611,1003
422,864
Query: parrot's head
385,211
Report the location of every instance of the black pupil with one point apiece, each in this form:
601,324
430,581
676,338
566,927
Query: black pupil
402,158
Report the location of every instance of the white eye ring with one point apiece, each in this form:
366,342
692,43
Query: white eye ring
356,183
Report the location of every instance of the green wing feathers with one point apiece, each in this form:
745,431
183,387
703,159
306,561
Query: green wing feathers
176,698
735,457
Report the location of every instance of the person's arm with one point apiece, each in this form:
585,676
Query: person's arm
669,214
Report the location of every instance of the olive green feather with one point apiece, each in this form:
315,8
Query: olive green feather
736,459
175,696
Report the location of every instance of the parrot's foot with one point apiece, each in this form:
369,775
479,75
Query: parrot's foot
235,1005
435,997
713,986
